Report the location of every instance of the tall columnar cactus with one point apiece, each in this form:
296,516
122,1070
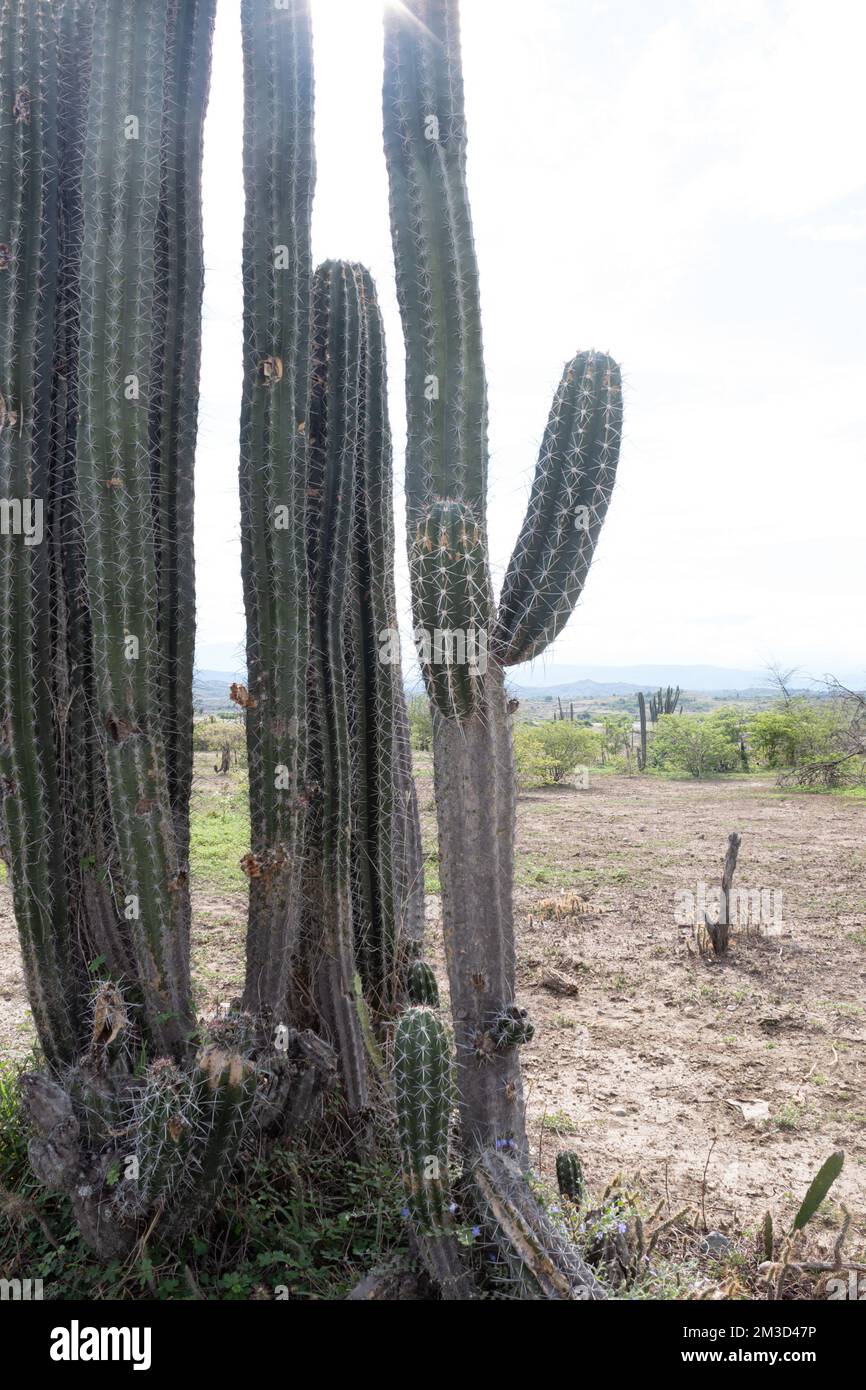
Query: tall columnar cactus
364,840
641,757
664,702
29,776
101,108
446,485
174,403
279,175
120,371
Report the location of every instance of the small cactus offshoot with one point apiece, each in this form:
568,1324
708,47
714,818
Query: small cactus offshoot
569,1176
423,1089
421,984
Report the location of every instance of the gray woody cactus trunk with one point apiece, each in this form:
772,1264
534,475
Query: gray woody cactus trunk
460,632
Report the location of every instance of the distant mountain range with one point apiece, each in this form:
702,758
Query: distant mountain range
569,682
624,680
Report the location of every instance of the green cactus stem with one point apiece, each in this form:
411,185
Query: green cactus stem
30,780
174,398
422,985
569,1176
121,184
568,503
279,176
424,1094
365,833
448,564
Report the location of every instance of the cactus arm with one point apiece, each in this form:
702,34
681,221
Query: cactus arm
569,1176
279,178
29,777
121,188
568,503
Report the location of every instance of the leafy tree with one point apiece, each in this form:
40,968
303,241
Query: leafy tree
697,744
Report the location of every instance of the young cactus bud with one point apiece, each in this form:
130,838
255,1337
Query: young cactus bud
423,1087
569,1176
421,984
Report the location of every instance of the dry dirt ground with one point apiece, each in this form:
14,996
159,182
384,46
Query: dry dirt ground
636,1068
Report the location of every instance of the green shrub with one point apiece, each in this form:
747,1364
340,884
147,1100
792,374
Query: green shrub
211,733
420,723
700,745
546,754
795,732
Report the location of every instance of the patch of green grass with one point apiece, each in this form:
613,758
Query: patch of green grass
432,882
219,838
559,1122
789,1116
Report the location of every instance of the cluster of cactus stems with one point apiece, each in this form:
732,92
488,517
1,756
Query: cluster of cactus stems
664,702
101,112
446,485
336,883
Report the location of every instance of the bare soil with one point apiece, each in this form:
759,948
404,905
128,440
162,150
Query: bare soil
636,1067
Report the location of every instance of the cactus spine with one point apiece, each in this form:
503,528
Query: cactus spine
446,485
279,174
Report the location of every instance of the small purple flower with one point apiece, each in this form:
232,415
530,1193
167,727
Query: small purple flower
404,1211
621,1227
476,1231
452,1207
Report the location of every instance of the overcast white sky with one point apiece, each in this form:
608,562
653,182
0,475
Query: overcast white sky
679,182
